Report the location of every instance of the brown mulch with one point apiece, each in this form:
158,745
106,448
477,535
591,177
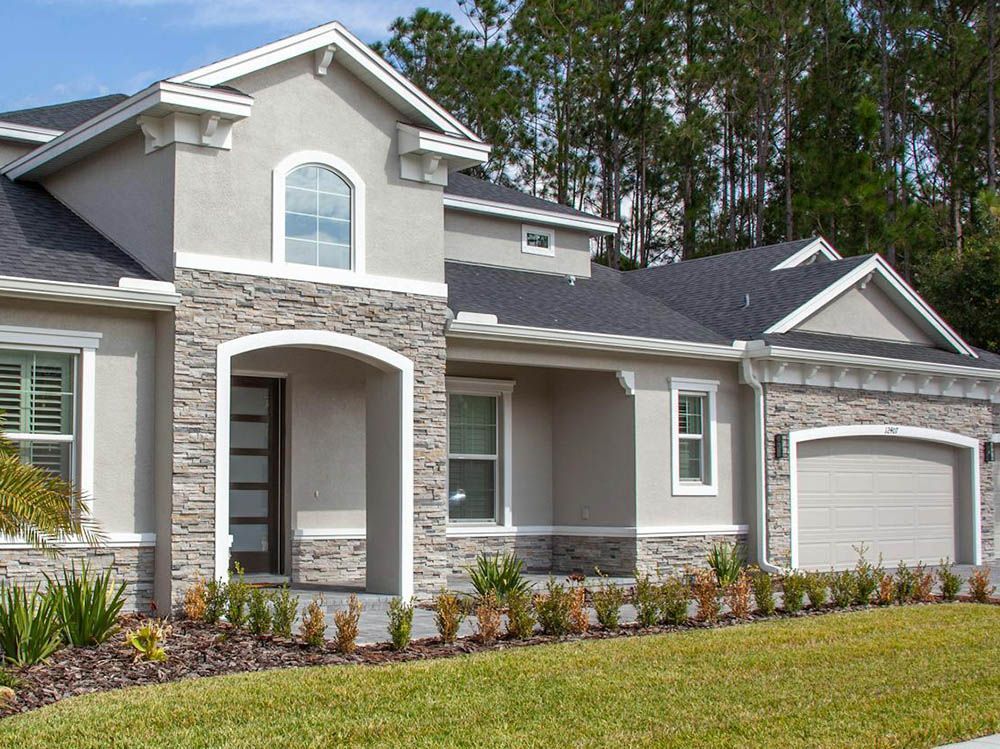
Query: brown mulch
196,649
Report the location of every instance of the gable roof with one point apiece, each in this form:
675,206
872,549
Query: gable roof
63,116
40,238
467,186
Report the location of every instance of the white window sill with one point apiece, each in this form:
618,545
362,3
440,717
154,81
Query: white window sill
695,490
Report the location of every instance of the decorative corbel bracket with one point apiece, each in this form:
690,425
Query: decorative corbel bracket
626,378
324,58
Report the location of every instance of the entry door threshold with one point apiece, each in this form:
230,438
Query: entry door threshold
263,579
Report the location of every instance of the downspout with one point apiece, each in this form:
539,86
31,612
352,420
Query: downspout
760,472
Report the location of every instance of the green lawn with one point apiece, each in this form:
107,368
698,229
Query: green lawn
914,676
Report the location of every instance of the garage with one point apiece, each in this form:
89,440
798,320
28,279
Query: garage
905,499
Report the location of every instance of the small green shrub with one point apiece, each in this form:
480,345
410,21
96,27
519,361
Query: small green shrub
673,598
237,598
950,583
87,607
980,589
552,609
793,588
646,599
9,679
499,575
726,561
816,586
448,615
284,607
520,616
763,592
400,622
867,577
905,584
843,588
147,640
215,601
346,623
608,600
259,613
312,628
705,591
30,630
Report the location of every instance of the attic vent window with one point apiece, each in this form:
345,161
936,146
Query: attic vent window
538,241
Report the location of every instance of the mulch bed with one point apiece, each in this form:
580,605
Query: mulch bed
196,649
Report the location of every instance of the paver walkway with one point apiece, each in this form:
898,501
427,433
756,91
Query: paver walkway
986,742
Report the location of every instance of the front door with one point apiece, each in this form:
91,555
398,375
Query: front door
255,474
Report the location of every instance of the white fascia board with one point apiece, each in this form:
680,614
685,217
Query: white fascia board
82,293
27,133
347,44
460,152
818,245
834,358
546,218
596,341
893,282
160,97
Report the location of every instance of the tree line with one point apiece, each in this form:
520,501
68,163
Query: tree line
706,126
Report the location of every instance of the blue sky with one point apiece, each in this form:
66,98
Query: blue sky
59,50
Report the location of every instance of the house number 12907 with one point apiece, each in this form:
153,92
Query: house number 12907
892,430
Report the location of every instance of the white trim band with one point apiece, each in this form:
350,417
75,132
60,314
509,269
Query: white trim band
602,531
531,215
114,541
124,295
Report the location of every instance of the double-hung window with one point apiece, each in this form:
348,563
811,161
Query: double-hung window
694,454
38,407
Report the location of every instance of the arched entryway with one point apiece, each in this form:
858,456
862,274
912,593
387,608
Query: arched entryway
388,459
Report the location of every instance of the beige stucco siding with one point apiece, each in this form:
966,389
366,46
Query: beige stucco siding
224,198
10,150
488,240
125,382
866,313
128,196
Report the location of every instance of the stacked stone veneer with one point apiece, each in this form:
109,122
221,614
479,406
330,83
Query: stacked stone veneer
671,555
219,307
335,561
132,565
534,551
791,407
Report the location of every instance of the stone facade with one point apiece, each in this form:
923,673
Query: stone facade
218,307
132,565
333,561
670,555
612,555
534,551
791,407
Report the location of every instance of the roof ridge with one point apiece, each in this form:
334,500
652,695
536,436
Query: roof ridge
718,255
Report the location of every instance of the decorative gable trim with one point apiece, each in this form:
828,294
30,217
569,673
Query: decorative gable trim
27,133
878,270
428,156
818,246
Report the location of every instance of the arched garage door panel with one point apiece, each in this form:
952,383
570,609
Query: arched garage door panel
897,496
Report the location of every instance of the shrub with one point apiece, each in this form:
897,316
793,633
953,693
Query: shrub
906,584
499,575
284,607
147,640
9,679
448,615
673,596
816,585
726,561
313,626
923,583
579,621
979,585
237,598
553,609
87,607
705,589
793,590
738,596
259,614
346,624
950,583
843,588
867,576
196,600
763,591
886,592
520,616
488,619
400,622
646,599
608,600
215,601
29,626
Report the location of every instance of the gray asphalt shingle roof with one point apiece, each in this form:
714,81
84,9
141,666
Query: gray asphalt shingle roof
41,238
466,186
64,116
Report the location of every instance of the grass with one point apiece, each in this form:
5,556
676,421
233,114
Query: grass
911,676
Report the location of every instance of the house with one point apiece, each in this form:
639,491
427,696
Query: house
260,315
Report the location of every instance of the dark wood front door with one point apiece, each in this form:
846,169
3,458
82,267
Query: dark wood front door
255,474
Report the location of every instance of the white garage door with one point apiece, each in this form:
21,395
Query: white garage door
896,496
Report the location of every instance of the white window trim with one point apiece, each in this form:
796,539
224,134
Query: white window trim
84,345
709,488
357,185
502,390
528,250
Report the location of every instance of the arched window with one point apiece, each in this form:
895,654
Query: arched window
318,216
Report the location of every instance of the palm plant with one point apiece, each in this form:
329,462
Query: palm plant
39,506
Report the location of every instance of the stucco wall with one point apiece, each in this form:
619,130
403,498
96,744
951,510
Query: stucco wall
10,150
224,198
866,313
488,240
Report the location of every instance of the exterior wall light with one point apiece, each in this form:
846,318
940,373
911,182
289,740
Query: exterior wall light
780,446
989,451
